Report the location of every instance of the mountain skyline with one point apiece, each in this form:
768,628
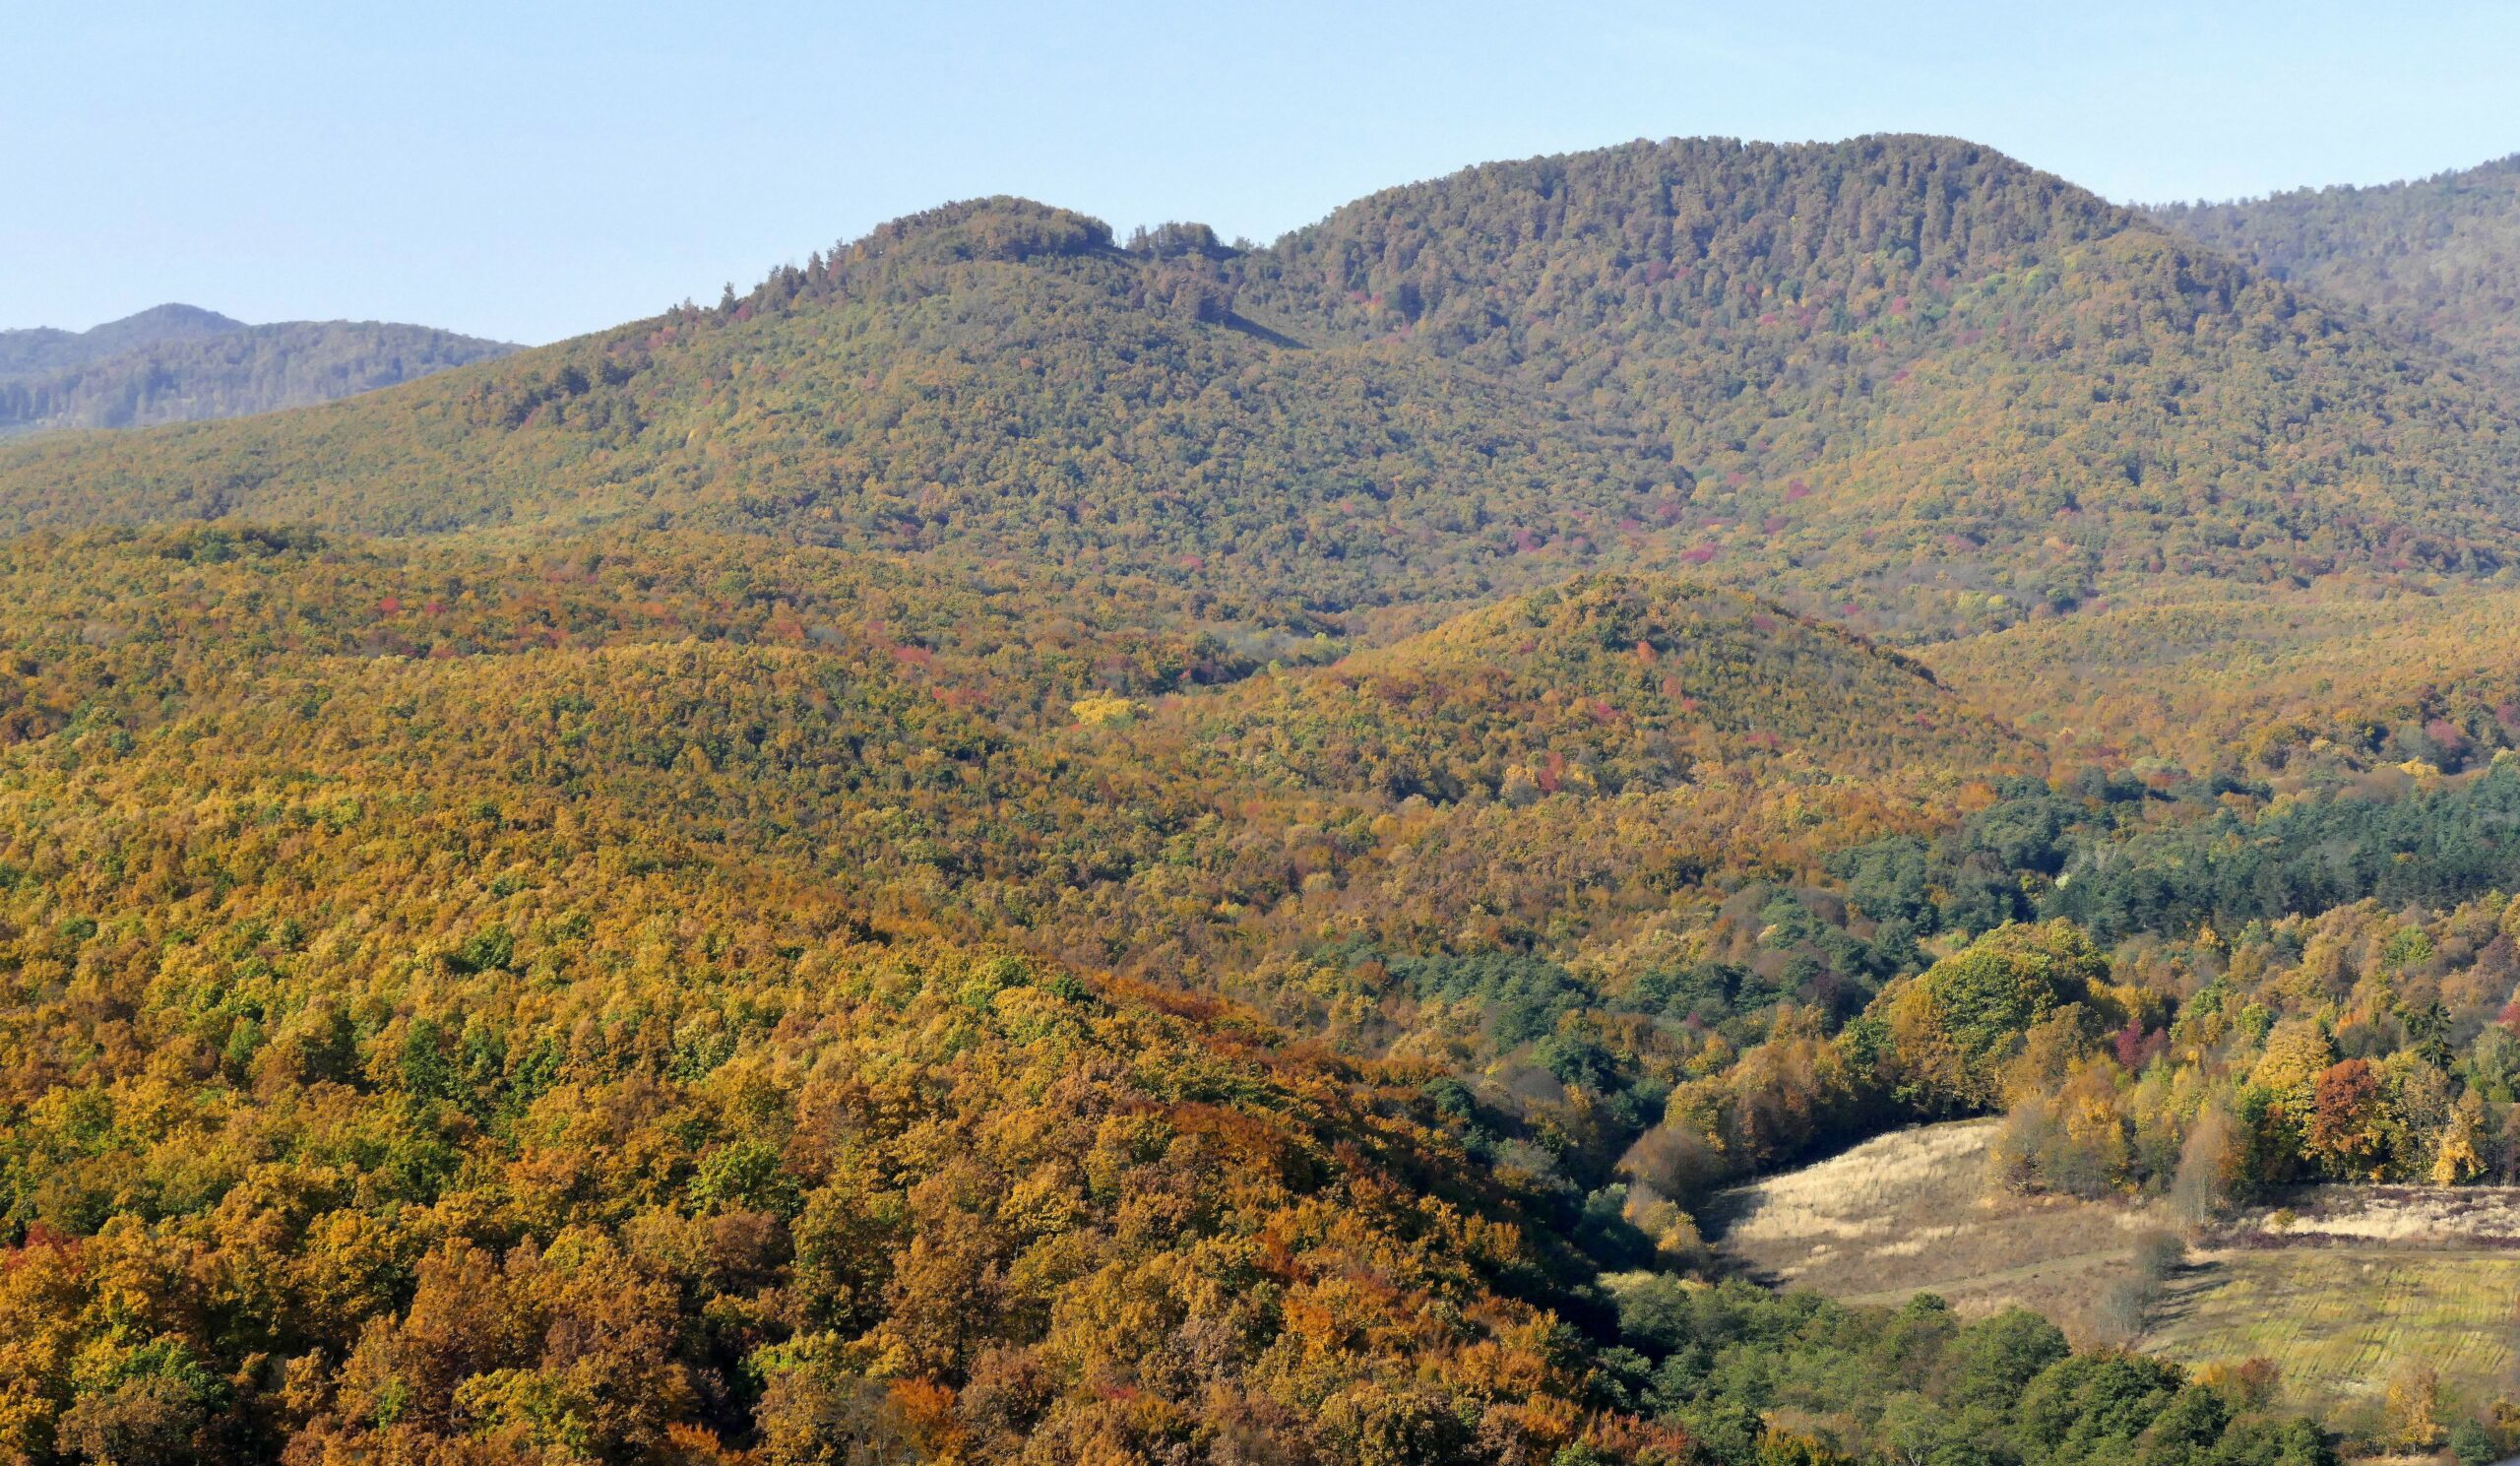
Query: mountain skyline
39,348
672,150
1980,388
2215,219
2220,220
2201,214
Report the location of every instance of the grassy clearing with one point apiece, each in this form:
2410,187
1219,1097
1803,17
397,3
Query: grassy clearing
2341,1322
1909,1213
2344,1286
2342,1289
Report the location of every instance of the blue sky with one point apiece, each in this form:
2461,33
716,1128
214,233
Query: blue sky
530,171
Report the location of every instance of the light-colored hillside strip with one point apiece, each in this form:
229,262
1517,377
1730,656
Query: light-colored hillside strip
2341,1287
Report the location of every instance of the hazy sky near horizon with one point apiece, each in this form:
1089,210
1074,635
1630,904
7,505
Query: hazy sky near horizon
535,169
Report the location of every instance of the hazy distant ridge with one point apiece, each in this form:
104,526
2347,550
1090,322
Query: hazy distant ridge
180,364
2438,257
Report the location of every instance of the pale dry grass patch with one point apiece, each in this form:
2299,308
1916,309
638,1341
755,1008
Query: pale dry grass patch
2363,1279
2410,1216
1861,1194
1910,1212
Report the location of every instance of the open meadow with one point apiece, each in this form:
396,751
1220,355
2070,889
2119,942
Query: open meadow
2346,1287
2343,1290
1910,1213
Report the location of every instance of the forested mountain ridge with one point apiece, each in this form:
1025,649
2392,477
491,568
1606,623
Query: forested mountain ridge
2439,255
1896,354
1901,380
43,349
178,363
992,380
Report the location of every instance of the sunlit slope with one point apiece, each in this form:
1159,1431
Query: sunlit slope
991,380
1610,684
1903,381
512,1118
2366,671
1914,373
1115,775
1566,765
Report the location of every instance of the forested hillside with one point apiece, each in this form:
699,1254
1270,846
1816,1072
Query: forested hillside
1904,362
177,363
1098,766
483,1005
2373,672
1021,846
1902,381
993,381
2438,257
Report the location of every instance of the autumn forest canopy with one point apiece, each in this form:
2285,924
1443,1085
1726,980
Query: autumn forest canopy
1022,844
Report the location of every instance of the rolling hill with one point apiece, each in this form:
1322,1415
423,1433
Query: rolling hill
1622,683
179,364
1021,756
2438,257
2247,676
42,349
1902,381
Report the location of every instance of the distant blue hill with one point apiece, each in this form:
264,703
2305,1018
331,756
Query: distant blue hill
179,364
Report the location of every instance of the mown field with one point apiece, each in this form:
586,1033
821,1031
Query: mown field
2343,1290
2340,1322
2346,1287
